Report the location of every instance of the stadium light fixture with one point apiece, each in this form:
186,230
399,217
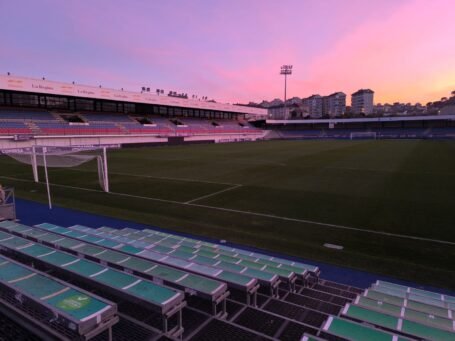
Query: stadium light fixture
285,70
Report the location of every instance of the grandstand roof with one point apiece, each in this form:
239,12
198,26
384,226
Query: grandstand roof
14,83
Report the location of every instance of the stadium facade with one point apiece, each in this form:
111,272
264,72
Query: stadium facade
38,111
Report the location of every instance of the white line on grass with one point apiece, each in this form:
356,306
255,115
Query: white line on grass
327,225
156,177
213,194
377,170
342,227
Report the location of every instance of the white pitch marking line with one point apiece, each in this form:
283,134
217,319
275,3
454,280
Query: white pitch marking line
213,194
388,170
342,227
157,177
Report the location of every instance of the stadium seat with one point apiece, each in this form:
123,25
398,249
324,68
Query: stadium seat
70,311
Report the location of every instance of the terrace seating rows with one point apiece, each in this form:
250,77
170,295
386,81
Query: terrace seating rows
26,115
72,239
383,312
398,324
414,296
406,313
228,126
334,291
198,251
239,265
100,117
67,129
163,299
435,309
214,290
356,331
381,132
7,127
46,123
246,281
40,233
61,305
414,291
344,287
324,296
210,249
137,128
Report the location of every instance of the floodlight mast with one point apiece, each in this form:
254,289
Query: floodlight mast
285,70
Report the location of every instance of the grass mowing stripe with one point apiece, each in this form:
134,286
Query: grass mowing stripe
410,194
155,177
189,203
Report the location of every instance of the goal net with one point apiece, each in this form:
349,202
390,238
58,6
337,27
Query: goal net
61,157
363,135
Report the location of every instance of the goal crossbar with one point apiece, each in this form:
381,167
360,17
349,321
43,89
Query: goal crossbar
61,157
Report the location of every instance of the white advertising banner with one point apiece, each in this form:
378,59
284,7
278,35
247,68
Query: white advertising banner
56,88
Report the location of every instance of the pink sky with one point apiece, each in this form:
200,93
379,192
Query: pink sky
232,50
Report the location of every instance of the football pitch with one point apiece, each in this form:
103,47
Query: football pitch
390,204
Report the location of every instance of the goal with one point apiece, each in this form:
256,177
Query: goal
61,157
363,135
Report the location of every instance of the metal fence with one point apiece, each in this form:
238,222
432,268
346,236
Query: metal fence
7,203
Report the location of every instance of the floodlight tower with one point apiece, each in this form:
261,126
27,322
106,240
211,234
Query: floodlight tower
285,70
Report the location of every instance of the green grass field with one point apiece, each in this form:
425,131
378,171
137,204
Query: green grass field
286,196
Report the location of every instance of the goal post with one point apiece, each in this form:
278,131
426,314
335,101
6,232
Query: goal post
61,157
363,135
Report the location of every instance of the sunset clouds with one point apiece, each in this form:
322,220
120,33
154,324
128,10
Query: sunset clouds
232,50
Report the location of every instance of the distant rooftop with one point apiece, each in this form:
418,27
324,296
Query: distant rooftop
363,91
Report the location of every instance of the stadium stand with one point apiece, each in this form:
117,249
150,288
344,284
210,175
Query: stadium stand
61,309
403,290
195,285
105,117
166,301
26,115
383,133
14,128
43,123
51,128
204,257
390,322
355,331
244,282
311,310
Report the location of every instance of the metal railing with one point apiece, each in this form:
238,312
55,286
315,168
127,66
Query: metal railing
7,203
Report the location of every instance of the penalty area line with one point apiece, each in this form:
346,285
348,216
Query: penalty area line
154,177
265,215
213,194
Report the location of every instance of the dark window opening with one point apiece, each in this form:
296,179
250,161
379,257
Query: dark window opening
177,122
72,118
144,120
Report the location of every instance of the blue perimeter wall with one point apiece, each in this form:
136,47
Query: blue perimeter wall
33,213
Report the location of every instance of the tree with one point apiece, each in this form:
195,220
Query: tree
453,93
